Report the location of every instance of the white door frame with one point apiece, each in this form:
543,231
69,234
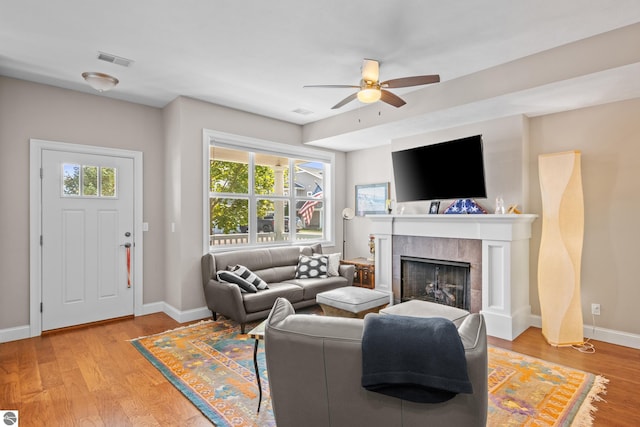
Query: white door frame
35,222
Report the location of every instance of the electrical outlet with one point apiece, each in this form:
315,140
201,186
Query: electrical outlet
595,309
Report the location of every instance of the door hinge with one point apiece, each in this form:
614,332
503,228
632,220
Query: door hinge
40,307
41,173
41,240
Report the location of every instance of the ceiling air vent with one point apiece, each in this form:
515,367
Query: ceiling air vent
118,60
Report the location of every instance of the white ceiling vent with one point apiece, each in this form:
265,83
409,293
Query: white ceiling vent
118,60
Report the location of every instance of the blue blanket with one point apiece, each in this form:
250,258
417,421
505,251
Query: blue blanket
413,358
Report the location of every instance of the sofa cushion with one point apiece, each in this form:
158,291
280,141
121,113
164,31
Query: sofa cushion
231,277
312,267
264,300
312,287
249,276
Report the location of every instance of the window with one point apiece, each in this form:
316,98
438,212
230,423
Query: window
264,193
88,181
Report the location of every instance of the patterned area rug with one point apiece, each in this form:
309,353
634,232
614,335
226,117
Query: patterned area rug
212,365
525,391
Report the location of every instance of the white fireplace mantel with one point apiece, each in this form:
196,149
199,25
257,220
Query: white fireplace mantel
505,260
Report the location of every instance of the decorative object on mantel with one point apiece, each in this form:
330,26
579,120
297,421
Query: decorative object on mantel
372,198
559,259
391,206
465,206
372,247
434,208
347,215
513,209
499,206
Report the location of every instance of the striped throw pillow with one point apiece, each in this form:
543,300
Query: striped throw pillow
249,276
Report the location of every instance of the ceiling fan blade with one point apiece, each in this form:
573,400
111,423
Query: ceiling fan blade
345,101
332,86
391,99
370,70
411,81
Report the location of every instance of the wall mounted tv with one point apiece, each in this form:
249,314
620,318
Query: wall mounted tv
447,170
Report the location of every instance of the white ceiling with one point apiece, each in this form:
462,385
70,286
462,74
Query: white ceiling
256,55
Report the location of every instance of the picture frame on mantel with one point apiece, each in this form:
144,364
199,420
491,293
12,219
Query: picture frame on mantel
372,198
434,208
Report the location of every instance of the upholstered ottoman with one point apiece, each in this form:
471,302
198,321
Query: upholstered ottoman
351,301
419,308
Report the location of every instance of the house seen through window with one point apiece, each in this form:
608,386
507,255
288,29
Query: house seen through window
261,198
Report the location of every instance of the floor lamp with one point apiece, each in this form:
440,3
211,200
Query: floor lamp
347,215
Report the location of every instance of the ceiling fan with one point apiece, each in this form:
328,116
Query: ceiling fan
371,89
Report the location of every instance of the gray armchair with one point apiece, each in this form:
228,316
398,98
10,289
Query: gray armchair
315,367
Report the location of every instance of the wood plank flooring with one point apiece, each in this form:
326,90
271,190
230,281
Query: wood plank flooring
93,376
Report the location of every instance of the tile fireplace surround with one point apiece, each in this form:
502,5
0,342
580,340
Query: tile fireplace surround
504,261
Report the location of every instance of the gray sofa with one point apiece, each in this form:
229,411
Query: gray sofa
276,266
315,369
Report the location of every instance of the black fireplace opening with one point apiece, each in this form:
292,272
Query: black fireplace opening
440,281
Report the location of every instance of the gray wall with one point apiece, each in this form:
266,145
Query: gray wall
30,110
171,142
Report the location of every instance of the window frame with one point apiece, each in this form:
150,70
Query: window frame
253,145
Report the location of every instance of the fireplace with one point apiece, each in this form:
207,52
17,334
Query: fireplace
496,246
440,281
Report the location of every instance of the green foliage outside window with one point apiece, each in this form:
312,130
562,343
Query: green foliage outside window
230,214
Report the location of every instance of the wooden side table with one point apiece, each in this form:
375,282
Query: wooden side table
364,275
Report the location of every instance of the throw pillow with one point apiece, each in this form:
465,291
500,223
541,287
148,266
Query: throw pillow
334,264
231,277
249,276
312,267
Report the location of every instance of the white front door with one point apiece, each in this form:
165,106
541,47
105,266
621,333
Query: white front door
87,238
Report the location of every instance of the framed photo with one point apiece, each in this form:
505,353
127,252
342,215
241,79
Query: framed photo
372,198
434,208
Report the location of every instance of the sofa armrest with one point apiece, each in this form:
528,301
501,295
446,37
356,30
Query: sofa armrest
347,271
226,299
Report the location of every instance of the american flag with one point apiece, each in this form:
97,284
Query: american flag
306,211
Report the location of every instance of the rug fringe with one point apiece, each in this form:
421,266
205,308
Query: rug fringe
204,321
585,415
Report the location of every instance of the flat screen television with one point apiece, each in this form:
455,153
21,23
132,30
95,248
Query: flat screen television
447,170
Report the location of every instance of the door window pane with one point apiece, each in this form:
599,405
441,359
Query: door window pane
89,180
70,180
107,182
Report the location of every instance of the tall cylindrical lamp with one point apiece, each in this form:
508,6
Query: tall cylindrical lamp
559,259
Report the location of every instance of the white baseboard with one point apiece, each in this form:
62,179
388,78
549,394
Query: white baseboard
23,332
610,336
15,334
187,315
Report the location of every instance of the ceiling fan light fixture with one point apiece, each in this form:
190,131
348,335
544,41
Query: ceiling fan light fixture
369,95
100,81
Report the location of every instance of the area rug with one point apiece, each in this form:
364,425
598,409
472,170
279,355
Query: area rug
212,365
525,391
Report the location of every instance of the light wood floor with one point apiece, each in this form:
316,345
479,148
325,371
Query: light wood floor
93,376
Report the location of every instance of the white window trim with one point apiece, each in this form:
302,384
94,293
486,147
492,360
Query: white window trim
254,144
